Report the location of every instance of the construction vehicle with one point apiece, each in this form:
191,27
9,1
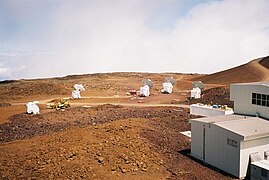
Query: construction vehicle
58,105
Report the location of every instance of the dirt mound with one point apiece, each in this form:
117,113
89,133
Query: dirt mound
23,126
250,72
265,62
218,95
108,151
102,142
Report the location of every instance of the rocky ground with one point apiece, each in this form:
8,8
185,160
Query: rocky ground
218,95
100,142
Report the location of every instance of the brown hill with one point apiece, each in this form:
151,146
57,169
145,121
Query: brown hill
255,70
265,62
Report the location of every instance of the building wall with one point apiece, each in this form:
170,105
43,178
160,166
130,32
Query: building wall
258,146
197,139
219,153
215,150
242,97
206,111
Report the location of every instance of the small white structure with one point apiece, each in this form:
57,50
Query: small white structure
76,92
229,142
32,107
209,111
260,170
226,142
167,88
144,91
196,93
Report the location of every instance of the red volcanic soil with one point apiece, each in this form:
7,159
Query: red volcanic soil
102,142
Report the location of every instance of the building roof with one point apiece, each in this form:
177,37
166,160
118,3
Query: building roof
219,118
203,106
246,126
262,163
266,84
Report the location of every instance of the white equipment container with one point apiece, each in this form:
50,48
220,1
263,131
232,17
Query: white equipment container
208,111
32,107
196,93
76,94
144,91
167,88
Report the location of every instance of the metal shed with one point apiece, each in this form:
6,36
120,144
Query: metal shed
226,142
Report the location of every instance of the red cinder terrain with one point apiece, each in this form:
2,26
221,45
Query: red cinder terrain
116,136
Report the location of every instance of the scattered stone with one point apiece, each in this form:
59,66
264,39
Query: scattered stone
144,169
101,159
114,168
123,170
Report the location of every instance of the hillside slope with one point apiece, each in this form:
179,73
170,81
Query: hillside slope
255,70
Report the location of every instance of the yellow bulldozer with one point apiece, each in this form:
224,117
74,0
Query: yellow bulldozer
58,105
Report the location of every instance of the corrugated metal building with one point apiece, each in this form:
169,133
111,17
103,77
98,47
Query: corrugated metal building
227,142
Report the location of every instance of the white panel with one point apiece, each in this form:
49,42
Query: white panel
197,139
219,153
208,111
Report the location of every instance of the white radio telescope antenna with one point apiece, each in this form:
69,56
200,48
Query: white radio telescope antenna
170,80
147,82
198,84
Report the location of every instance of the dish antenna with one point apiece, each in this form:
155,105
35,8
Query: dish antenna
147,82
170,80
198,84
79,87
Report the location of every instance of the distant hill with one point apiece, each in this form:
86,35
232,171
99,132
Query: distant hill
255,70
265,62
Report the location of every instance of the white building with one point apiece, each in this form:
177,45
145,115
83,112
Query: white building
209,111
251,98
227,142
196,93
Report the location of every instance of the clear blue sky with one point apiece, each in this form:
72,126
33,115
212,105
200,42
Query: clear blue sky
56,38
